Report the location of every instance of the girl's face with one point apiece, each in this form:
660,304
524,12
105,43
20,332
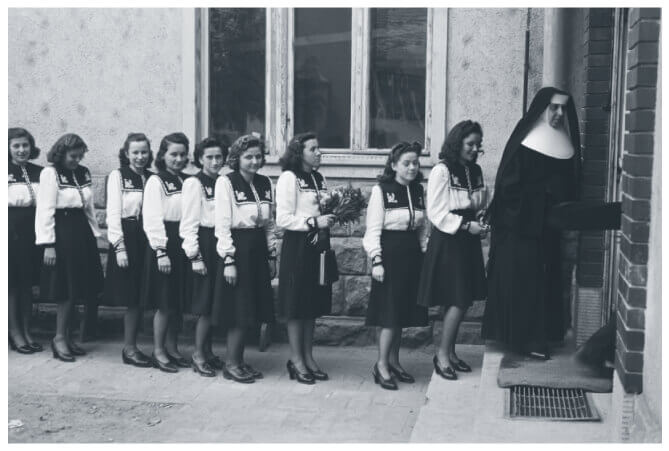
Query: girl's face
72,158
311,155
19,149
251,160
176,157
212,160
406,168
471,145
138,154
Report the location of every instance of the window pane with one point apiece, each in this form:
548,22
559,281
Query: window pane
322,91
237,71
397,75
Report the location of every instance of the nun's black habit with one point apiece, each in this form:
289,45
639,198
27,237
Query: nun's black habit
525,307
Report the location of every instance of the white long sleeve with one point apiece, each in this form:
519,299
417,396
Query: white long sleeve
439,203
191,212
270,227
114,210
223,215
45,212
153,213
371,242
89,209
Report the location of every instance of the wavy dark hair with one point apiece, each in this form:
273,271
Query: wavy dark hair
394,156
291,160
68,141
134,137
241,145
206,143
172,138
16,133
450,151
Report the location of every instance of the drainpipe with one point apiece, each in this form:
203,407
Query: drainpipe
555,57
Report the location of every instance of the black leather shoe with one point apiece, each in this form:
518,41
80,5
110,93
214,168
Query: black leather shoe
447,373
203,369
388,384
25,349
36,347
318,374
252,371
65,357
401,375
181,362
238,374
302,378
461,365
167,367
75,350
137,358
216,363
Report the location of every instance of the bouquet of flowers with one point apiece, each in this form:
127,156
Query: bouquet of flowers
345,203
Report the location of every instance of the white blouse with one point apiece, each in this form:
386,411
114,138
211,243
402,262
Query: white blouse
448,191
23,184
61,189
396,208
197,210
125,192
240,205
296,199
162,202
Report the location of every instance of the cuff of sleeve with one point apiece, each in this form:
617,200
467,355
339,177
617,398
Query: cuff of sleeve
47,245
456,226
119,245
272,254
196,258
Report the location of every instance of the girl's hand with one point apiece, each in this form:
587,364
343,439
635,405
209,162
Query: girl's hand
164,264
272,269
378,273
199,268
475,228
122,259
50,256
230,274
325,221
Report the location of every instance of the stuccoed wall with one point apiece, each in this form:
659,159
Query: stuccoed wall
100,73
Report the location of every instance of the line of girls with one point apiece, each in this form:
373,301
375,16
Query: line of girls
205,244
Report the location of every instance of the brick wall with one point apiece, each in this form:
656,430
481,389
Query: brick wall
594,126
643,35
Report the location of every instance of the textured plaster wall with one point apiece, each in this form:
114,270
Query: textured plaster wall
486,54
100,73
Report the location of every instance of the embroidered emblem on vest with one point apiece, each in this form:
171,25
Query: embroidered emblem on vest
391,198
240,195
268,194
303,184
127,183
12,178
208,190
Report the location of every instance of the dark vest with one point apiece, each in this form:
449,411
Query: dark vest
458,176
171,182
66,179
306,183
16,174
243,192
208,185
132,181
395,195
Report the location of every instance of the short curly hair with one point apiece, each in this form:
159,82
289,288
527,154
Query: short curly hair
172,138
291,160
16,133
134,137
65,143
206,143
241,145
394,156
450,151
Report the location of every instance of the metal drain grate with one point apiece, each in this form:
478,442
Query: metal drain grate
564,404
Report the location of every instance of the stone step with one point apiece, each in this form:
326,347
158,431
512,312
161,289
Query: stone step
330,330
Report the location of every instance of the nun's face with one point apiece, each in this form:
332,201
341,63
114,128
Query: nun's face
555,115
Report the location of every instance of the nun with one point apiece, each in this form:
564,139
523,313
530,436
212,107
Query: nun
539,169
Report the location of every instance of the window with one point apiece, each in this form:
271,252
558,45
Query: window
236,71
361,78
322,77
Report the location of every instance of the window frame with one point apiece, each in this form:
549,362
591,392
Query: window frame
279,76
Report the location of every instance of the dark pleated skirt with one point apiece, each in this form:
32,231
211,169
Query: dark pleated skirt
123,285
300,295
453,273
251,300
202,287
525,307
77,274
393,303
166,292
24,258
